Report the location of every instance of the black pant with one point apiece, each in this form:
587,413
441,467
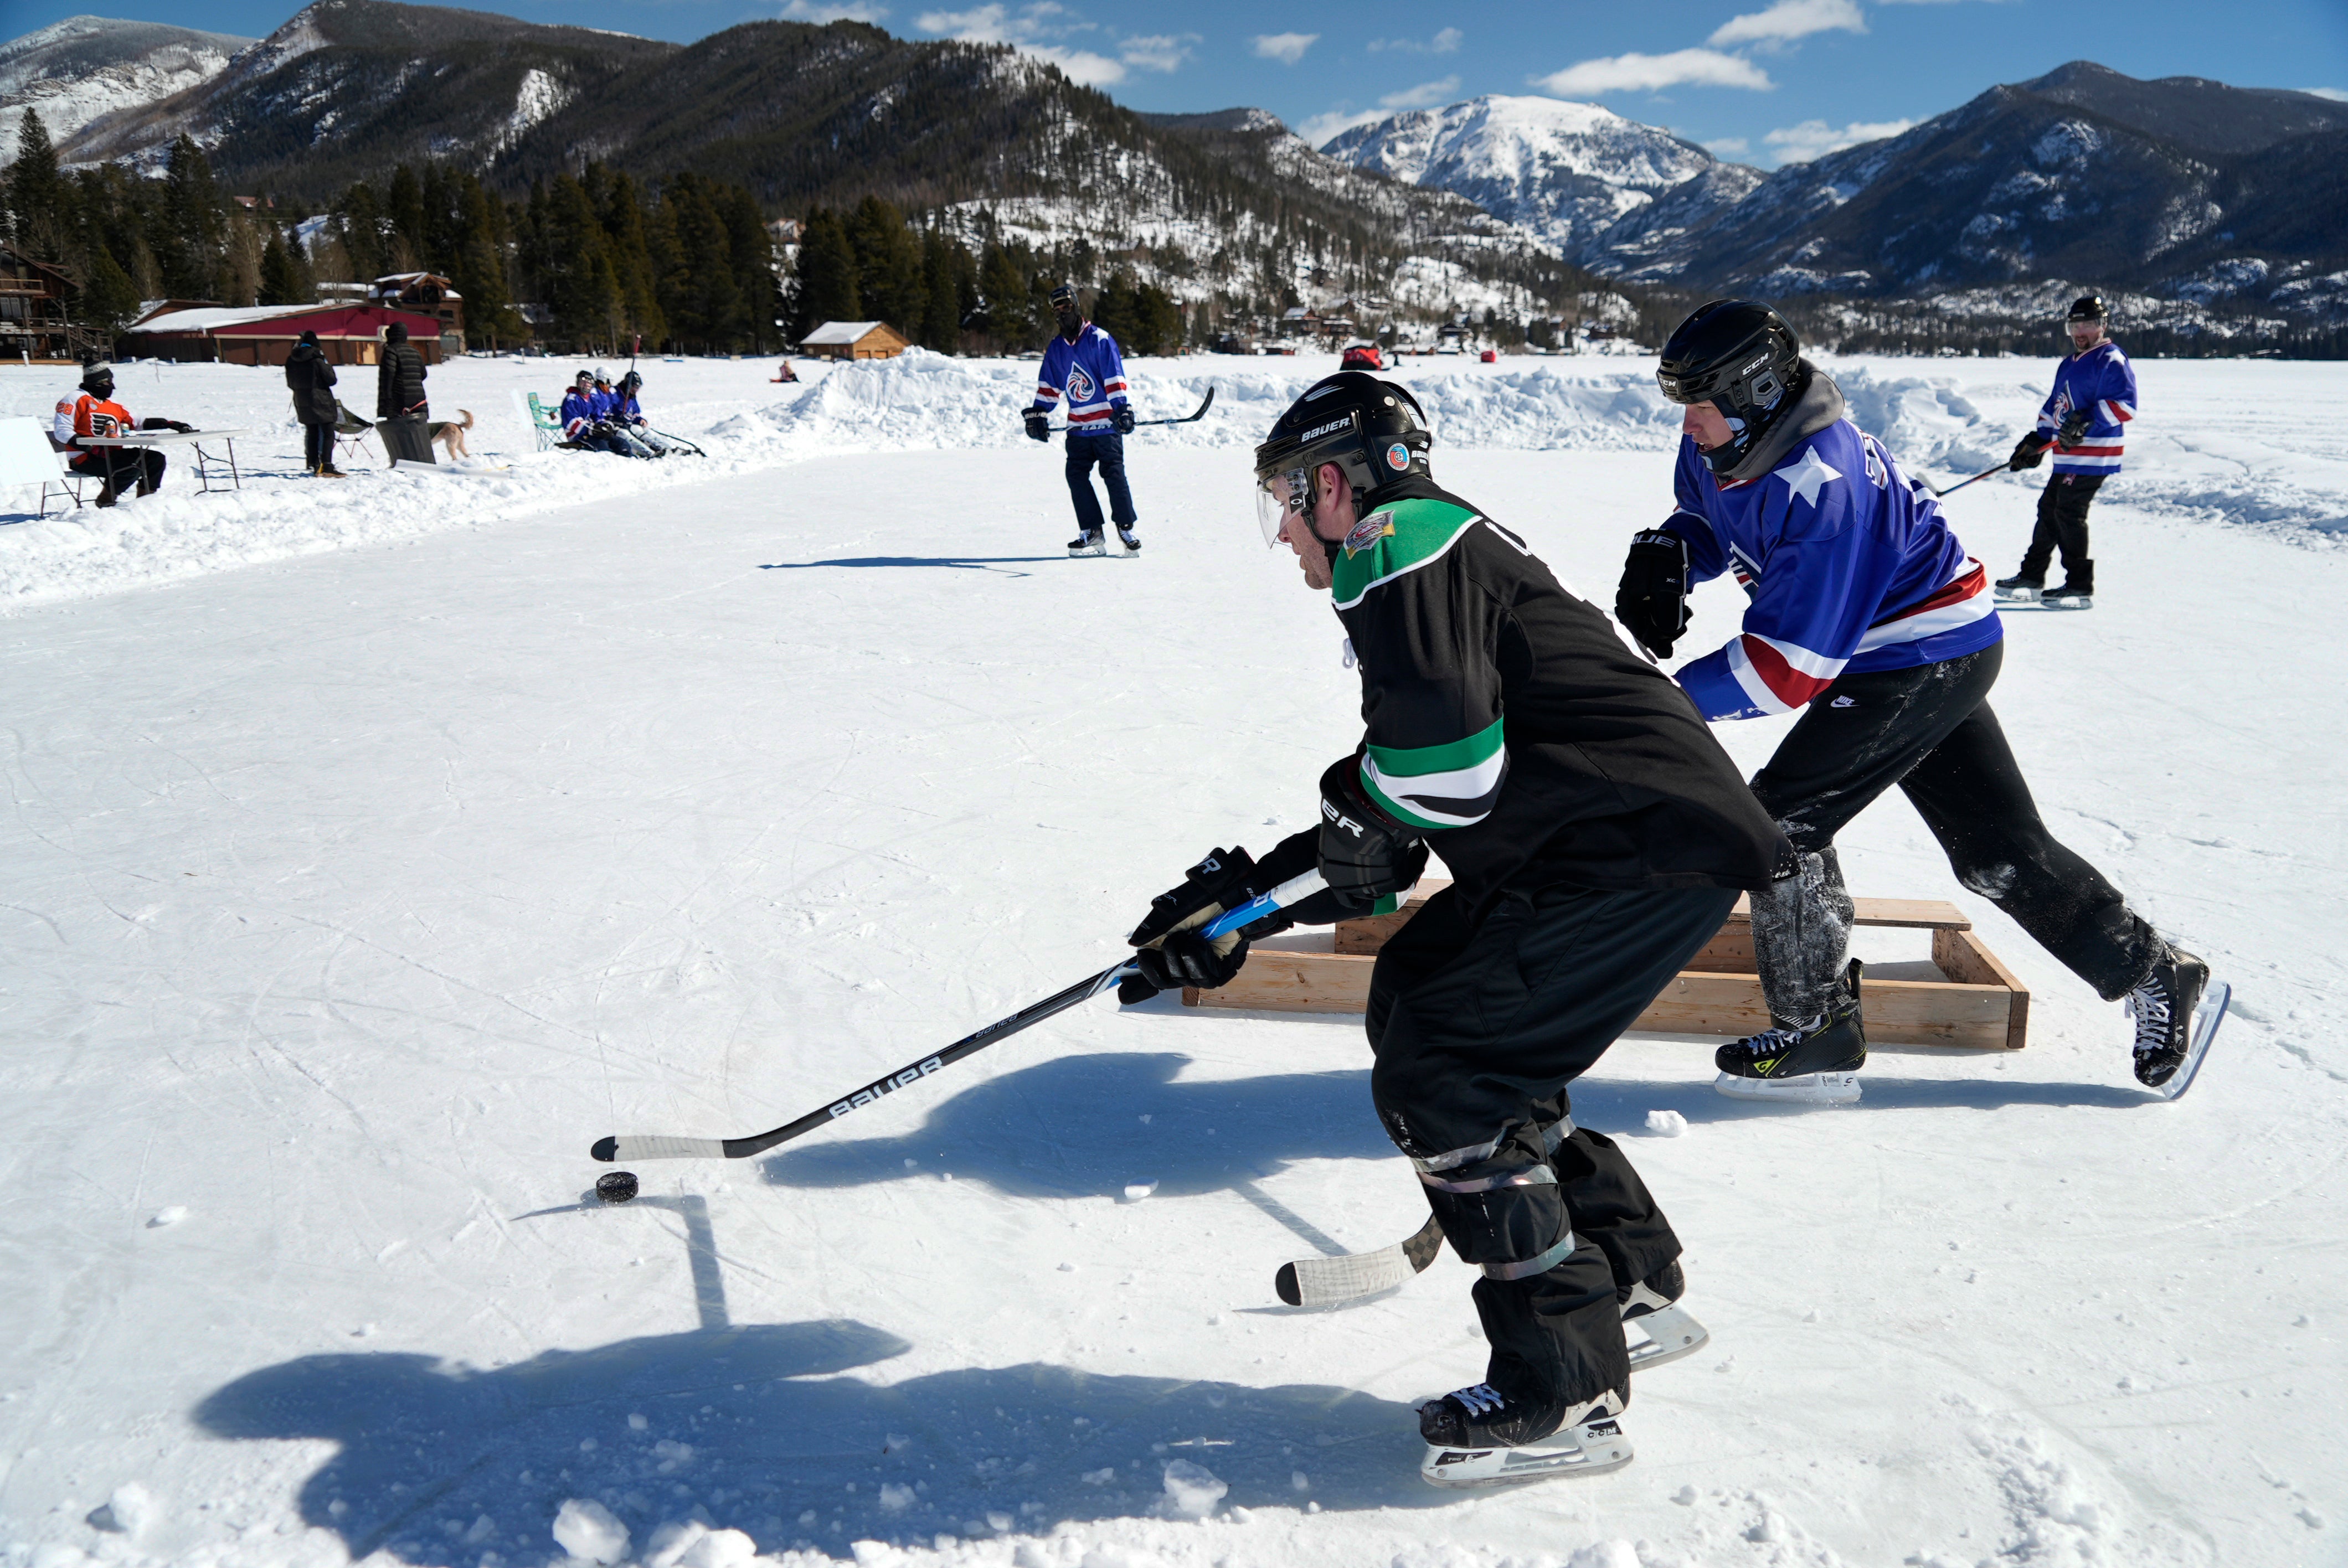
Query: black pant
1108,449
1478,1029
2063,523
1928,729
122,466
318,446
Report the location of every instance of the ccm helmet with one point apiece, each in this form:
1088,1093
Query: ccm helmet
1374,430
2088,308
1740,356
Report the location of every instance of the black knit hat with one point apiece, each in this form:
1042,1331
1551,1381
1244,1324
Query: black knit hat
396,332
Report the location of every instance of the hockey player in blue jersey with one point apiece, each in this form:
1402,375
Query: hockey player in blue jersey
1083,362
1867,615
2085,419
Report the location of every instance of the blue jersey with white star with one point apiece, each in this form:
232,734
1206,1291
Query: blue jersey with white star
1848,566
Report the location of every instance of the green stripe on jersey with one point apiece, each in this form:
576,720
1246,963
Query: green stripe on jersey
1397,539
1449,785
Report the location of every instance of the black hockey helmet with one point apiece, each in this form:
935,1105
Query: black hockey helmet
1740,356
2088,308
1374,430
1064,294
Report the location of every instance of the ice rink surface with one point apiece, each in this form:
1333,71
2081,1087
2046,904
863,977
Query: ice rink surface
352,893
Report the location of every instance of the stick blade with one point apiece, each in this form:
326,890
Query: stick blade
637,1147
1324,1282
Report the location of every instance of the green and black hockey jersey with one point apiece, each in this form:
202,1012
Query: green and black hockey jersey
1505,716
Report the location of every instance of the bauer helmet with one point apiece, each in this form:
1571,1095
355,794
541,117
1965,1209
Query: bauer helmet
1740,356
1374,430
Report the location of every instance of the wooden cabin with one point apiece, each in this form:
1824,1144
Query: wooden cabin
854,340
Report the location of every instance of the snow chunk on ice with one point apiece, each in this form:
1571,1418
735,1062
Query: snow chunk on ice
585,1528
128,1512
1191,1489
689,1543
1137,1191
895,1498
1666,1124
1605,1554
169,1216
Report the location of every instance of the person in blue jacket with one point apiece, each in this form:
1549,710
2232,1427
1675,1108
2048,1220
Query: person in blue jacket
2085,419
1867,616
583,414
1083,362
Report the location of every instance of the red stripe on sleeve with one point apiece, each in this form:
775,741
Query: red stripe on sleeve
1792,687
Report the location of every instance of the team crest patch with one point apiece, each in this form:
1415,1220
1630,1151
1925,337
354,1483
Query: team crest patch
1369,531
1397,456
1080,385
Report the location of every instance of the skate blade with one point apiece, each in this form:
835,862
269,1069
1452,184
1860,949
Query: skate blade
2070,601
1088,550
2018,595
1804,1089
1589,1449
1672,1332
2206,1019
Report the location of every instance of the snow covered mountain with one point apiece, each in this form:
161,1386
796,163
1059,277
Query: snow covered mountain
1570,172
74,71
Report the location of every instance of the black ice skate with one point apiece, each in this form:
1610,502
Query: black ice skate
1480,1437
2021,586
1088,543
2177,1014
1130,539
2070,596
1815,1062
1653,1305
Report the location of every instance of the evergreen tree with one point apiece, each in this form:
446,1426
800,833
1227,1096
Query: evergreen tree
699,295
575,262
360,225
187,229
1003,295
281,282
753,253
40,201
622,215
404,207
110,299
826,289
1116,314
940,325
478,270
888,266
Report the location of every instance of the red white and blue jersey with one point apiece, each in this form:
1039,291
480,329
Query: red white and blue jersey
1092,372
1849,565
2101,382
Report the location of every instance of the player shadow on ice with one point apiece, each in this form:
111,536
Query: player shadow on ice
754,1428
966,563
1620,1105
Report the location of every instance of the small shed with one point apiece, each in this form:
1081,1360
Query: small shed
265,335
854,340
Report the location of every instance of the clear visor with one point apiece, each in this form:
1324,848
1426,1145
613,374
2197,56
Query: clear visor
1277,498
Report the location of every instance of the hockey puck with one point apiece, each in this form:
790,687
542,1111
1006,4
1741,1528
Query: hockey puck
616,1186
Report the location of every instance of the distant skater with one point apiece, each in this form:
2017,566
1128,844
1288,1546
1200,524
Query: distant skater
2085,419
1082,362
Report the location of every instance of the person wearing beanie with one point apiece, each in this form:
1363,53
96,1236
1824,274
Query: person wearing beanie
400,407
95,414
310,378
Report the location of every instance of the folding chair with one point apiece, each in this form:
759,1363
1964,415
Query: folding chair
544,423
351,432
69,479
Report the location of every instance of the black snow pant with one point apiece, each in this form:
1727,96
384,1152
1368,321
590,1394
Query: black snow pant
1108,449
2062,525
1928,729
1478,1031
121,467
318,446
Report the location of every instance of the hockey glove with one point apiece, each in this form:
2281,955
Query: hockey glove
1652,603
2029,452
1172,952
1121,419
2075,429
1365,853
1039,428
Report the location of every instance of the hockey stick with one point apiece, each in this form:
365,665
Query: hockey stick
1357,1276
633,1146
1200,413
679,439
1960,484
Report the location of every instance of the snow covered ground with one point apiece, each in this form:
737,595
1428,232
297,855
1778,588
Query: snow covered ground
353,893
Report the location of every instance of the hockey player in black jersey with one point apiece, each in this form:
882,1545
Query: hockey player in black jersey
1597,836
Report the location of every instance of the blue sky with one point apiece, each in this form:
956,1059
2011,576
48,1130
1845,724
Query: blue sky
1762,81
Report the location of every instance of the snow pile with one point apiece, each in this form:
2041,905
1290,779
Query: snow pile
585,1528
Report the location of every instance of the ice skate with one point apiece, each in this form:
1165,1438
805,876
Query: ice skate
2177,1014
1479,1437
1670,1331
2069,596
1813,1063
1130,539
1088,543
2021,587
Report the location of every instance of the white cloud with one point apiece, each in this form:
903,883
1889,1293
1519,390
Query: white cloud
996,24
1162,51
1652,73
1815,138
1446,41
802,11
2335,94
1286,47
1787,20
1421,96
1321,127
1728,147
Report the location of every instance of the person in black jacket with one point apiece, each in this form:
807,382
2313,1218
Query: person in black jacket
1597,836
399,403
311,381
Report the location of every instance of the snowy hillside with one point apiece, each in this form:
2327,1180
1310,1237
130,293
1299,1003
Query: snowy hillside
77,70
351,896
1568,171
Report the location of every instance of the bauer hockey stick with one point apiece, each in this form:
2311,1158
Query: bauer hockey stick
634,1146
1191,418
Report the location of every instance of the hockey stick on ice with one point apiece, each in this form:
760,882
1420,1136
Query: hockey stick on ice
635,1146
1357,1276
1191,418
1960,484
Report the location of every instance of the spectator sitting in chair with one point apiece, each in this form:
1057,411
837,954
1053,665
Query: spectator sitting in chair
582,417
95,414
627,420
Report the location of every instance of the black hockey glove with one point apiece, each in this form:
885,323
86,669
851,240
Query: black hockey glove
1172,952
1652,603
2029,453
2074,430
1039,428
1121,420
1365,853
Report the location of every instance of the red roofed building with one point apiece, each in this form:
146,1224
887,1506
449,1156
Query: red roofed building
265,335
